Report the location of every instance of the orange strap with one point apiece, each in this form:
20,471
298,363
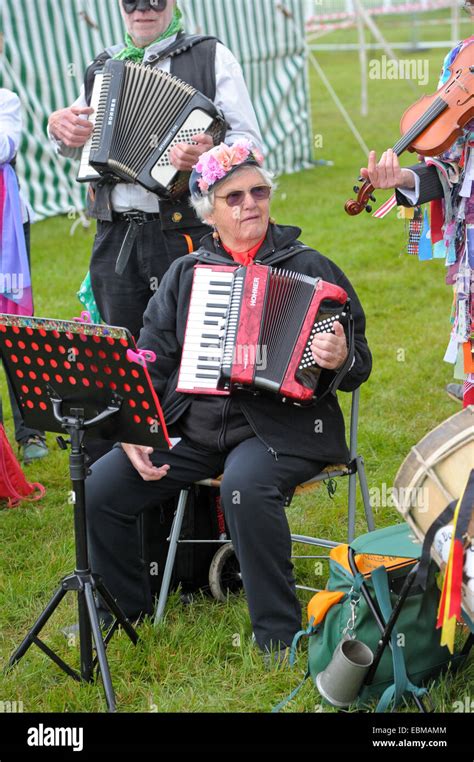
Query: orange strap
189,241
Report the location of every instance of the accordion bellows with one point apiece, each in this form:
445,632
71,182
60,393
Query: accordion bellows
140,114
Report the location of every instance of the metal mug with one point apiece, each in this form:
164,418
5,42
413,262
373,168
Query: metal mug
342,679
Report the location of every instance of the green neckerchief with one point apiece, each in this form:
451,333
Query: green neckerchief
132,53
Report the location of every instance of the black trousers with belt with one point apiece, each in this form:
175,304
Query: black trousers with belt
122,299
253,494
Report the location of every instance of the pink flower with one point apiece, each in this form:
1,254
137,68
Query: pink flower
215,164
240,151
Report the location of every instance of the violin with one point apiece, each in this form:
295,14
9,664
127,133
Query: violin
432,124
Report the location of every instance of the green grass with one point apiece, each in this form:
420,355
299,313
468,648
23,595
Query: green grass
194,661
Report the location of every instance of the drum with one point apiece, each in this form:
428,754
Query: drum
433,475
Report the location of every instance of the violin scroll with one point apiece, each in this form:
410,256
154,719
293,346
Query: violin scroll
364,195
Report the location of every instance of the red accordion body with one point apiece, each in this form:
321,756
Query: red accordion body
252,327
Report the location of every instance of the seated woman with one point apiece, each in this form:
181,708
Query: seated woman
263,447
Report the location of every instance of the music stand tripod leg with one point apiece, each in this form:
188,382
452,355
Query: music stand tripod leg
37,627
93,621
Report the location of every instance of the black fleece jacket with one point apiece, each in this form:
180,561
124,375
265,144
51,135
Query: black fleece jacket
316,432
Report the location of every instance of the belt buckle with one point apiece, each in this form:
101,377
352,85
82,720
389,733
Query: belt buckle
138,218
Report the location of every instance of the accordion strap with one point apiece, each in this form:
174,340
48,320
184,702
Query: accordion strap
337,380
182,43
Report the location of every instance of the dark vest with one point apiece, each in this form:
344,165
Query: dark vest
192,60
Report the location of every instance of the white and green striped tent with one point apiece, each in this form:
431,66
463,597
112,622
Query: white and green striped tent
47,45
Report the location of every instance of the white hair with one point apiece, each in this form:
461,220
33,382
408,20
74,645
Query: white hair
204,205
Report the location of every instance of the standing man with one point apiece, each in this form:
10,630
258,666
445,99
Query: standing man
15,280
166,229
448,181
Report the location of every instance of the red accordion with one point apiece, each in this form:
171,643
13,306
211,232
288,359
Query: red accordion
252,327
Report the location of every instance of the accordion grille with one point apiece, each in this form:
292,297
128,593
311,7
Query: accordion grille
288,299
99,120
150,104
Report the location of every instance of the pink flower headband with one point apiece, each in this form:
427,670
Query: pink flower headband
219,161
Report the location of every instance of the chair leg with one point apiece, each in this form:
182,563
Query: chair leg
170,558
369,516
351,518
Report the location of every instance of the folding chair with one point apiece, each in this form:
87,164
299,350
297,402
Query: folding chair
354,470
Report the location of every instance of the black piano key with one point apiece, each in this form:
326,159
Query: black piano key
209,368
206,376
210,336
211,322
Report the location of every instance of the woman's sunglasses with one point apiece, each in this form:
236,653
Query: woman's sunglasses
258,193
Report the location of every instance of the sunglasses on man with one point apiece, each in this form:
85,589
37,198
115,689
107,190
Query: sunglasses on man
130,6
258,193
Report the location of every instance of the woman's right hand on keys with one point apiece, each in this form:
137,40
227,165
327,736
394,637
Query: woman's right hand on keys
139,457
71,127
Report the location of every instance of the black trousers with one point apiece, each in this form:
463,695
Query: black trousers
253,494
122,299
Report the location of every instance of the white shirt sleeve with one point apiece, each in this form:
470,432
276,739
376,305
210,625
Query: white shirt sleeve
412,194
10,124
61,149
233,98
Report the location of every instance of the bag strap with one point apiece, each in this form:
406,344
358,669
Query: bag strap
401,684
292,695
301,634
444,518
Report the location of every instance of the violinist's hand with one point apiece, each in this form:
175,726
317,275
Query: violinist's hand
329,350
139,457
387,173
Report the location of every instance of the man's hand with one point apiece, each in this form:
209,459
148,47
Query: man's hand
69,126
330,349
139,457
387,173
184,156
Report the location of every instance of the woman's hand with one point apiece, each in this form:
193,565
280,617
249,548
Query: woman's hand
330,349
387,173
139,457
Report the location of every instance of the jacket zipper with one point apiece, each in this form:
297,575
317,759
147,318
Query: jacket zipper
225,410
270,449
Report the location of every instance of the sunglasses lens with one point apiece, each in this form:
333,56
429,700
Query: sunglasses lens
143,5
236,198
260,193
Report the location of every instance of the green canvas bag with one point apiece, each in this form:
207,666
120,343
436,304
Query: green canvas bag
383,558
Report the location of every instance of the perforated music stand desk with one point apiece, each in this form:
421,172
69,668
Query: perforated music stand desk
86,380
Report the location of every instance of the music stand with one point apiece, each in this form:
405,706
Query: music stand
84,379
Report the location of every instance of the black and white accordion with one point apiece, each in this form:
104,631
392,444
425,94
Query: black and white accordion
252,328
140,113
